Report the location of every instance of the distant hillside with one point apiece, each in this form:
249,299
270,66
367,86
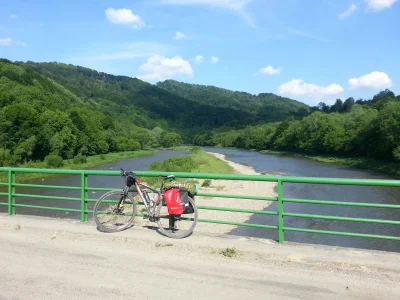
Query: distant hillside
267,107
39,117
148,104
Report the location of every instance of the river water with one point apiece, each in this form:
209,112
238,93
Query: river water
295,166
272,164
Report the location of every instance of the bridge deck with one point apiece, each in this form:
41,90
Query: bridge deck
63,259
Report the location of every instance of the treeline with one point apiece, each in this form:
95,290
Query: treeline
263,108
370,128
38,118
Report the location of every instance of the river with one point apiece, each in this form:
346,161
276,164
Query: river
295,166
273,164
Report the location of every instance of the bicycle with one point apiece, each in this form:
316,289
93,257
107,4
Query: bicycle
120,209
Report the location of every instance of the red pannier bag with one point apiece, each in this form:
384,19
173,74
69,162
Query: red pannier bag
177,200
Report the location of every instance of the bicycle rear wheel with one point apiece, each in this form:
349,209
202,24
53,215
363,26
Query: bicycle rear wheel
176,227
106,215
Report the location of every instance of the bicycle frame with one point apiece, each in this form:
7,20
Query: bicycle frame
138,185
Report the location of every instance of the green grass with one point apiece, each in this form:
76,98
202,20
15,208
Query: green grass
229,252
208,163
198,161
92,161
384,167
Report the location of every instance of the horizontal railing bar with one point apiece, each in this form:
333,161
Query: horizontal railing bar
3,194
102,189
238,224
237,196
1,203
310,216
341,203
364,235
47,197
292,179
251,211
47,186
4,183
48,207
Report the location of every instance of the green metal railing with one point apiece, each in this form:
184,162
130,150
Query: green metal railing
281,200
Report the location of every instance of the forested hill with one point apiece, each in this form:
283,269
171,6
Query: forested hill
268,107
369,128
145,103
39,117
68,111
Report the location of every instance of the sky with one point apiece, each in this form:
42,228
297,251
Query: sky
308,50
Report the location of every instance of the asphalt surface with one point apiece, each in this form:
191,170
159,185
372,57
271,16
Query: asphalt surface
63,259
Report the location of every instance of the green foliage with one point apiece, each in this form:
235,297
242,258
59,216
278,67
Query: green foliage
39,117
54,161
175,164
171,139
206,183
369,129
6,158
229,252
266,107
80,159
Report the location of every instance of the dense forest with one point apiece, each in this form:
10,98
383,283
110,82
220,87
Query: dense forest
65,111
265,107
351,128
40,118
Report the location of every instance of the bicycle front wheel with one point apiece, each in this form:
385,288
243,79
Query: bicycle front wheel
107,215
176,227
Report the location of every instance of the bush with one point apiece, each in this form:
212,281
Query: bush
54,161
80,159
206,183
175,164
102,157
195,149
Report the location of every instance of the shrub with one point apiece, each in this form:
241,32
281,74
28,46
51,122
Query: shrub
54,161
80,159
206,183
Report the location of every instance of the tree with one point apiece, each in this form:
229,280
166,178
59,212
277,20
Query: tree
171,139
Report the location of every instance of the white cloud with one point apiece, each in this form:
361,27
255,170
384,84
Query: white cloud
14,17
378,5
374,80
348,12
5,42
214,59
199,58
270,70
297,87
159,68
124,16
179,35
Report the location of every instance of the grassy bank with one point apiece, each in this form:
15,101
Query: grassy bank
198,161
91,161
384,167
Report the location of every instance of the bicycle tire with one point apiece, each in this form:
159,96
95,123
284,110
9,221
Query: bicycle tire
173,234
117,195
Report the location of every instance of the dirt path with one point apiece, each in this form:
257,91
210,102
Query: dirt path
44,258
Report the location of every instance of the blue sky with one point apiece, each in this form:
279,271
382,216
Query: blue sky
309,50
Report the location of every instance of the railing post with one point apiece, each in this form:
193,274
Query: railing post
280,212
11,192
84,195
